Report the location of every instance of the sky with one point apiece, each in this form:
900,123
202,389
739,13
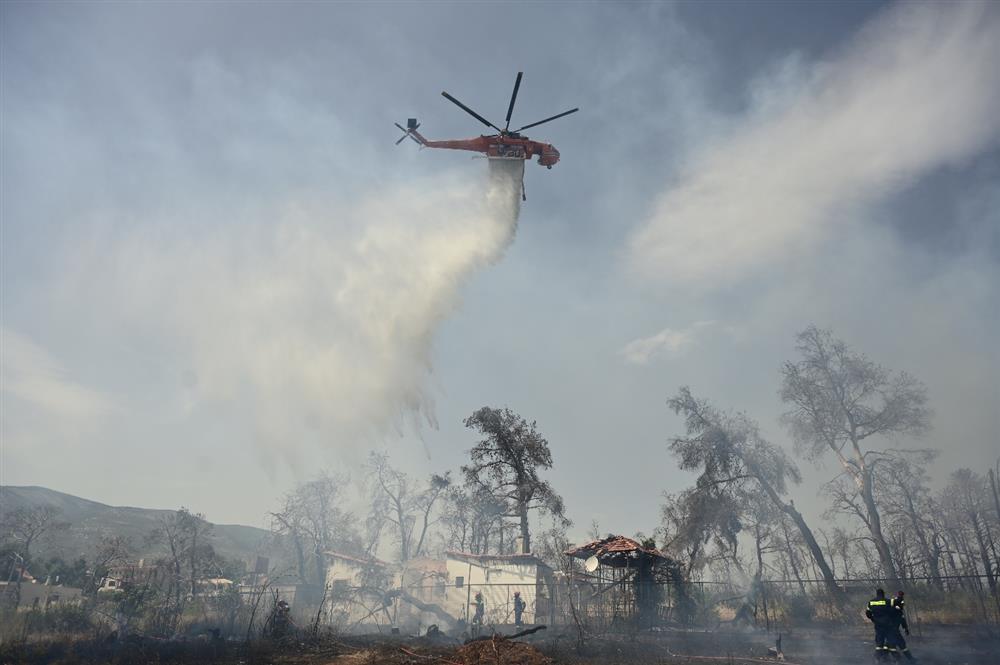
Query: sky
220,276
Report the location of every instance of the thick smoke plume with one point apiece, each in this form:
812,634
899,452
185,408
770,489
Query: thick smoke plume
315,322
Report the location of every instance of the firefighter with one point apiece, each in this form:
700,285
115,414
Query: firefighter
881,613
477,617
280,620
519,606
899,604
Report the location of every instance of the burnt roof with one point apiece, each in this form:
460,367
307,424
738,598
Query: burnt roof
616,551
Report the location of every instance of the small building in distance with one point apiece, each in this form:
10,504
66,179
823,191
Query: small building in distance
35,595
140,573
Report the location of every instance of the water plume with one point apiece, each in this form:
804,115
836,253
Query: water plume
312,322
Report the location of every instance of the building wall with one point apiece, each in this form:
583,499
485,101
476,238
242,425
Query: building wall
349,604
427,583
497,580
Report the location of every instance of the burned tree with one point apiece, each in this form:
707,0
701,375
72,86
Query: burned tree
112,551
312,520
698,516
734,460
26,526
967,502
187,551
474,519
408,508
506,463
905,498
839,399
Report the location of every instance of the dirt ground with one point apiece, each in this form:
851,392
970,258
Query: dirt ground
942,645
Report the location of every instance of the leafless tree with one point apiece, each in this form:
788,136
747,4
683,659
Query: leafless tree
506,463
839,399
400,502
112,551
313,520
735,458
474,520
967,498
197,530
24,527
171,532
904,494
698,518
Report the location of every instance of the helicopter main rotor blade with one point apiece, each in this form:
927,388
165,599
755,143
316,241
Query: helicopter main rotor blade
541,122
470,111
513,96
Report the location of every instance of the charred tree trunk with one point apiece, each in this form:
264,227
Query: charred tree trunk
996,495
300,559
875,527
931,557
807,534
813,545
791,559
983,552
522,510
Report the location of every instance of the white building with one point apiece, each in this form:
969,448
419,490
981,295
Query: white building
356,591
365,595
498,577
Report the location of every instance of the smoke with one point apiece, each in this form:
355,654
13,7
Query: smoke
313,320
912,92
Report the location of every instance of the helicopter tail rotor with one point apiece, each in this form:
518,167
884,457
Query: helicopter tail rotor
410,131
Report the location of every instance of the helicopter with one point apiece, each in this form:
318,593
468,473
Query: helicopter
505,144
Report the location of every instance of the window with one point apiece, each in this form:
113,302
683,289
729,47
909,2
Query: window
339,588
459,581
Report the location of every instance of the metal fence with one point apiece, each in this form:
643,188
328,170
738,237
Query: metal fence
623,605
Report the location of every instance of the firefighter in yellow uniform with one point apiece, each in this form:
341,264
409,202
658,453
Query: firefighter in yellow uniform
883,615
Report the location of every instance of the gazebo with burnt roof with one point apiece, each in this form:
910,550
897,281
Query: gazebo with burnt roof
623,584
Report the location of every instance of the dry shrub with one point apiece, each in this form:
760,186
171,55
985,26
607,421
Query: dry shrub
500,652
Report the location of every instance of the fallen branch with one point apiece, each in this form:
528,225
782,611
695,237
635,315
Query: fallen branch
529,631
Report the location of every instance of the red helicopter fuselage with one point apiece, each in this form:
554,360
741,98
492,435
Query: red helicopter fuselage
504,146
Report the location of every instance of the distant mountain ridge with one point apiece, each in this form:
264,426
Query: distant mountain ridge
91,521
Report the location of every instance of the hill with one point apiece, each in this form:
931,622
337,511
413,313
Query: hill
91,522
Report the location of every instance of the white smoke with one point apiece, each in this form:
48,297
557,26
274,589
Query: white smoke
316,322
916,90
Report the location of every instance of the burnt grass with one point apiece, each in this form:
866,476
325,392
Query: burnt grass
834,645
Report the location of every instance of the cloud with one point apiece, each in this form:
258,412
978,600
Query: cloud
667,342
32,375
914,91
